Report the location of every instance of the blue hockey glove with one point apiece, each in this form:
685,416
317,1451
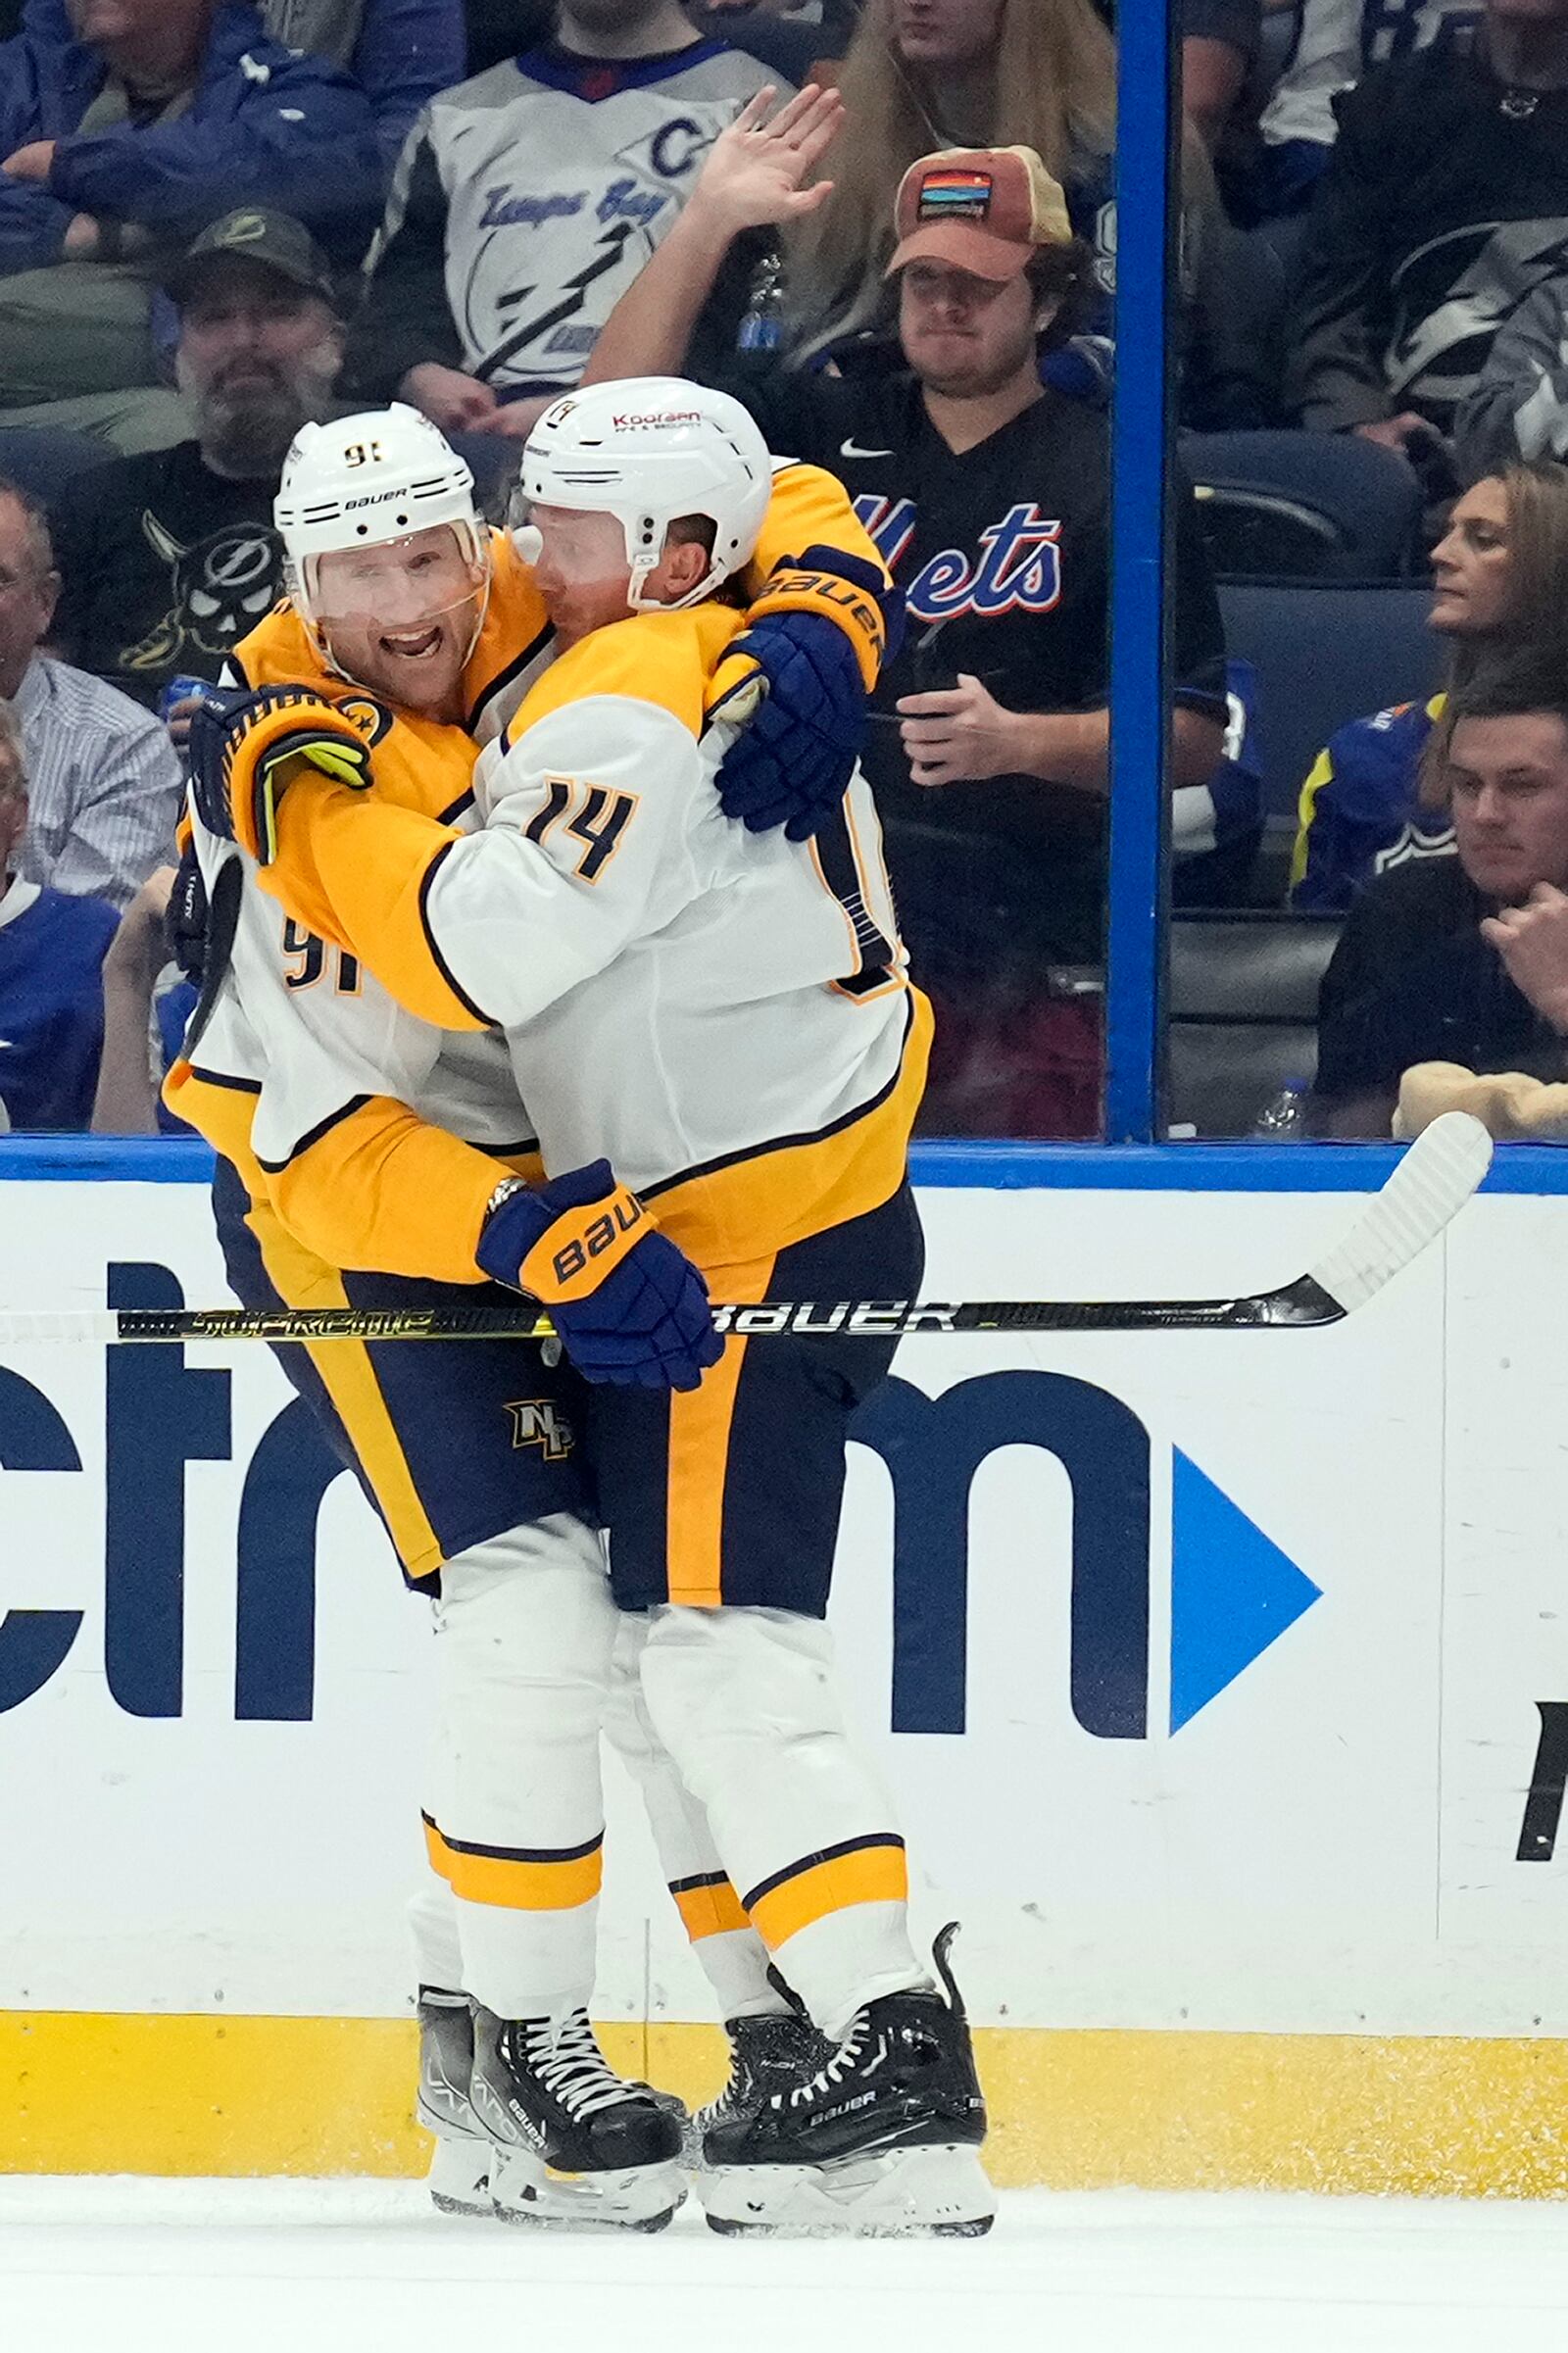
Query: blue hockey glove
798,678
628,1305
241,742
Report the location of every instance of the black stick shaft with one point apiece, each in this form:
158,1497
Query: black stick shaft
1296,1303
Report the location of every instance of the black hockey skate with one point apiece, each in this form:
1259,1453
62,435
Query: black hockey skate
772,2053
459,2178
882,2141
574,2141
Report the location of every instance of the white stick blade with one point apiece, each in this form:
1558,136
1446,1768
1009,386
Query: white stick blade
1431,1185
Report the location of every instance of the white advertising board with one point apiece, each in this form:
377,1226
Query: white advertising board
1213,1671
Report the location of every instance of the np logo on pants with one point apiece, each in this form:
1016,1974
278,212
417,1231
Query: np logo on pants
538,1422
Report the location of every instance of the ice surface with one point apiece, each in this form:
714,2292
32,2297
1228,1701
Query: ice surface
105,2266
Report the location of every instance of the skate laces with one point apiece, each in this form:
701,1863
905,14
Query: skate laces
842,2064
571,2067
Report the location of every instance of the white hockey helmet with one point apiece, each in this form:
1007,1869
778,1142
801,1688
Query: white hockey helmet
649,451
370,481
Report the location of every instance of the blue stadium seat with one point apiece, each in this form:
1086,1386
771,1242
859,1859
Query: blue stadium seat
41,461
1324,654
1303,506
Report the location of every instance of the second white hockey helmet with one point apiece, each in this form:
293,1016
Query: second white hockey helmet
651,451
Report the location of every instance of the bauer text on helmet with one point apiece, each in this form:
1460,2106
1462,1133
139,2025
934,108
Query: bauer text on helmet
387,561
664,461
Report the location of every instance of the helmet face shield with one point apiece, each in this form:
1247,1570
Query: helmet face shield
576,546
399,584
402,617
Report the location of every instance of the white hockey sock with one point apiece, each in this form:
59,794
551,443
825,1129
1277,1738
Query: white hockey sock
525,1628
733,1956
744,1701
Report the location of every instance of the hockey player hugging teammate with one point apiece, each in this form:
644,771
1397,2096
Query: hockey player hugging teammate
724,1019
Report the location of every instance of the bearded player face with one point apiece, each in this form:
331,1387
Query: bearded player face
398,619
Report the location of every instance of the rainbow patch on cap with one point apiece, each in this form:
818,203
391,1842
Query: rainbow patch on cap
951,195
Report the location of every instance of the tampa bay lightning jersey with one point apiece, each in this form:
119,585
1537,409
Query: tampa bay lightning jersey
51,1004
544,185
1360,811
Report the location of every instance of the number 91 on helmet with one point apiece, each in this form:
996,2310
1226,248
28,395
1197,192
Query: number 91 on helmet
385,557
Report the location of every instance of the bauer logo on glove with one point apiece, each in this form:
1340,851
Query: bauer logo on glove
628,1305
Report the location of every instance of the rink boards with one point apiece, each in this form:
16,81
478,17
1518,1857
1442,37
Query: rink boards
1223,1681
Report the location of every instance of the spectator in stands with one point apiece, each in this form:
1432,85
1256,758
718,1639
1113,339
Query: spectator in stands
1375,795
51,952
122,139
1038,73
1220,41
1405,267
400,52
790,40
146,1005
987,491
1435,964
1220,54
527,199
1519,406
921,75
169,559
105,782
1335,43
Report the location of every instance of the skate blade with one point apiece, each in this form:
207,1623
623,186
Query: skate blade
642,2197
939,2193
459,2178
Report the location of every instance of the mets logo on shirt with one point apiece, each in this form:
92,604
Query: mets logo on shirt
950,195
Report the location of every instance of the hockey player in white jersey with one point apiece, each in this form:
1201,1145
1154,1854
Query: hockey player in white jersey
735,1015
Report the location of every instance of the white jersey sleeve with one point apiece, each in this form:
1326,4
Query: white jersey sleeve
589,842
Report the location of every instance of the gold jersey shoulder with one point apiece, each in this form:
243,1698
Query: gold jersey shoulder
420,764
666,659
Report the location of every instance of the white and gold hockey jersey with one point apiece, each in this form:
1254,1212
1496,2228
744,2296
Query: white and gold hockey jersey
726,1017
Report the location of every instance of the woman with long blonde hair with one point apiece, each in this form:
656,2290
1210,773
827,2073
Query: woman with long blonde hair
926,75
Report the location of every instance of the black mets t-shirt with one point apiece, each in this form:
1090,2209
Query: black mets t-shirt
1003,553
165,566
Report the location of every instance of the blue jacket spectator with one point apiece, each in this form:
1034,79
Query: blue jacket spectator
263,125
52,949
400,52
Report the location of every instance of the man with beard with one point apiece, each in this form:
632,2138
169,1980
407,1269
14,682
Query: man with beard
169,559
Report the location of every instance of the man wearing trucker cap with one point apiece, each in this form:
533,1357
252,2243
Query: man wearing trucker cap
987,491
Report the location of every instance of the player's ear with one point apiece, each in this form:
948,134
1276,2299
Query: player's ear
682,567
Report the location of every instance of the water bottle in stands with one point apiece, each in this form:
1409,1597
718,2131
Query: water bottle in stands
1284,1119
762,327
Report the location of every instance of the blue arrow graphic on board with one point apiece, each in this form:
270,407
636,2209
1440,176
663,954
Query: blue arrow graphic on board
1232,1591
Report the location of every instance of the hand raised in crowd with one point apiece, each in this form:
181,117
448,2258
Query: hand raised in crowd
753,175
1532,942
959,734
32,162
456,402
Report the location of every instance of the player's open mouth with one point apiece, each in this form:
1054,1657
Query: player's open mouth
412,644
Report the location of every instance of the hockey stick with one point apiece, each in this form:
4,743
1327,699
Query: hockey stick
1431,1185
